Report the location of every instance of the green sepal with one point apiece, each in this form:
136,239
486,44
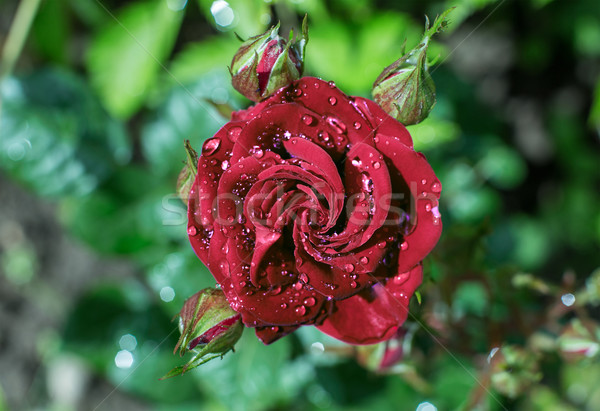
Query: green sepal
187,175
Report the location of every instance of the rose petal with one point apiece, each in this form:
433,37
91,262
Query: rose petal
375,314
382,122
425,189
268,335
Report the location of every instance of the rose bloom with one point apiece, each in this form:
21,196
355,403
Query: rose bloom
312,208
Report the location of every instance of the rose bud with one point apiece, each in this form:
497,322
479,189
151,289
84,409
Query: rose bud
209,328
267,62
188,174
405,89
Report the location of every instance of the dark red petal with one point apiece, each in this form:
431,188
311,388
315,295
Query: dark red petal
382,122
336,108
375,314
233,187
269,335
425,189
215,152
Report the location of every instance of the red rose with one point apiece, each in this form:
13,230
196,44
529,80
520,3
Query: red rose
312,208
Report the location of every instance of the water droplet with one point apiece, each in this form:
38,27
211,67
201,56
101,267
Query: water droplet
192,230
331,84
568,299
424,181
436,187
364,260
225,165
276,290
357,125
381,244
234,133
300,310
283,305
257,152
304,278
349,267
356,162
376,165
428,207
210,146
353,284
297,92
230,219
337,124
324,135
310,301
298,286
332,100
308,119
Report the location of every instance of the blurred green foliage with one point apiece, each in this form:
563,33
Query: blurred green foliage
95,117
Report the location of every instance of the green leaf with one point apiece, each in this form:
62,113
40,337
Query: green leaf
199,59
51,31
185,114
247,18
119,219
354,56
124,58
258,376
116,322
55,137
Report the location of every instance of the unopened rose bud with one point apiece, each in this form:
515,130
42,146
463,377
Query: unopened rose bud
186,177
267,62
405,89
209,328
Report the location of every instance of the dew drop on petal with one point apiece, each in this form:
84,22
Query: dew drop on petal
300,310
337,124
356,162
192,230
304,278
283,305
210,146
225,165
257,152
428,207
234,133
436,187
331,84
353,284
349,267
364,260
309,301
357,125
308,120
332,100
404,246
298,286
381,244
376,165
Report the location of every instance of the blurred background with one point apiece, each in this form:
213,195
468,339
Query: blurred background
97,97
